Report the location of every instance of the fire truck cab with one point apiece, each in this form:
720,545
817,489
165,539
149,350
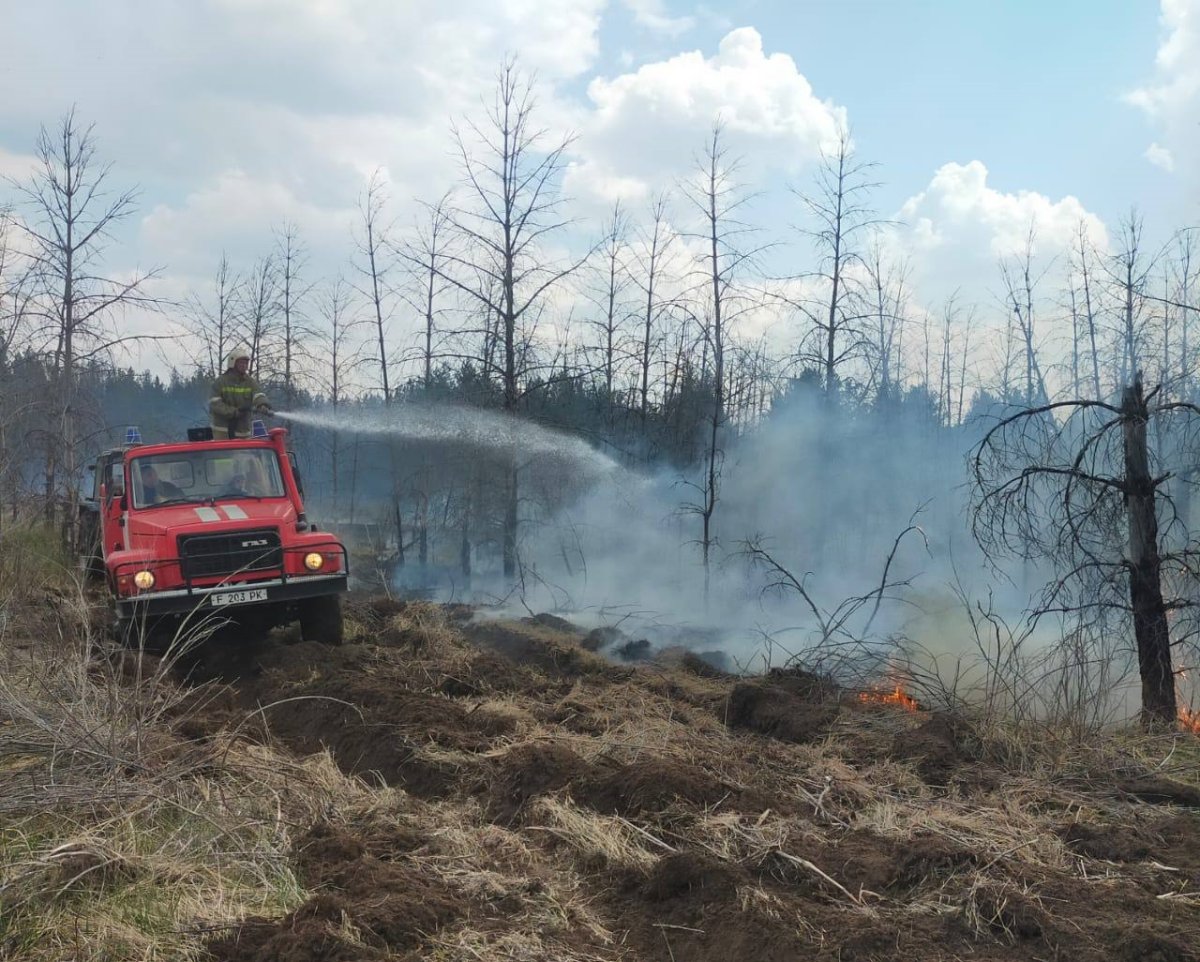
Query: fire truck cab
191,533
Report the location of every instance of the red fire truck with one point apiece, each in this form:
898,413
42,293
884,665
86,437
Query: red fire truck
206,532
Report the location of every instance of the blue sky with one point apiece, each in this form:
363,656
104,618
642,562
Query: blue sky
1033,89
235,115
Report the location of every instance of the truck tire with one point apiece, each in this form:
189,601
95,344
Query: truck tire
321,620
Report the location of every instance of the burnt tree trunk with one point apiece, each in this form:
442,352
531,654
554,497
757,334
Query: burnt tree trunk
1150,627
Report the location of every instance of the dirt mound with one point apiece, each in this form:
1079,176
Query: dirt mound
1106,842
1161,791
603,637
389,904
672,811
547,620
791,707
937,748
1173,841
532,645
650,786
1151,942
526,772
313,699
692,875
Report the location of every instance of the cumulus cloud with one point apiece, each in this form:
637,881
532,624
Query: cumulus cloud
958,227
1172,99
312,92
647,125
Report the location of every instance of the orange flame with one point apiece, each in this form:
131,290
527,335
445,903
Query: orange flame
1190,720
896,696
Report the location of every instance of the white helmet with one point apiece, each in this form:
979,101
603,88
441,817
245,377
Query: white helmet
234,355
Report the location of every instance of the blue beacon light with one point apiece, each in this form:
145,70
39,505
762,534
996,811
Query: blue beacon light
133,435
258,429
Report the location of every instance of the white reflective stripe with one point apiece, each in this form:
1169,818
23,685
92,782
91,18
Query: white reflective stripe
234,512
207,514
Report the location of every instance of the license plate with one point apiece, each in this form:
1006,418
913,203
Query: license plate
239,597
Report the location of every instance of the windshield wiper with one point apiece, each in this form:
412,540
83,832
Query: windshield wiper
182,499
242,495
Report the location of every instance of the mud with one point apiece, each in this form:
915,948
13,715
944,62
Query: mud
492,716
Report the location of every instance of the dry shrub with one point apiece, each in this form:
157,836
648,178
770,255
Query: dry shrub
118,839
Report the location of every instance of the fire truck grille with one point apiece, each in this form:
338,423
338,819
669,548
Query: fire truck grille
207,555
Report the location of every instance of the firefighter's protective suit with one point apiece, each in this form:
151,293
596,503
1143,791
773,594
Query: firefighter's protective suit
235,396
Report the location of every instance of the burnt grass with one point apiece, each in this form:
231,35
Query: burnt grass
778,818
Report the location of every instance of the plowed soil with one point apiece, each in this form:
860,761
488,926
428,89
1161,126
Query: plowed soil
533,799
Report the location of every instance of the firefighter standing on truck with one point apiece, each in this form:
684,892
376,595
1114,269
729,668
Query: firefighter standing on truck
235,395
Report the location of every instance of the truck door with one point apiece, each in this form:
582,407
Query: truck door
110,511
90,552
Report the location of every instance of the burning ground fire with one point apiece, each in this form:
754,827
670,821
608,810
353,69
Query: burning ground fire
1189,718
894,696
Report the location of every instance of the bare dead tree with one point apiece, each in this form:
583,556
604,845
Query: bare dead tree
425,293
1073,484
838,206
215,321
426,253
71,217
374,263
260,312
1185,268
292,257
511,171
1020,279
1084,300
1129,270
887,300
606,288
654,261
336,304
717,199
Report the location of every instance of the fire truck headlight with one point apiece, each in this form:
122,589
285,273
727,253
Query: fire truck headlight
314,561
144,579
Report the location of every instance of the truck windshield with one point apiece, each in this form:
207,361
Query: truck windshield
205,475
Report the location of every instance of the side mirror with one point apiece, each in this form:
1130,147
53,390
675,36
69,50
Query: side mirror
296,473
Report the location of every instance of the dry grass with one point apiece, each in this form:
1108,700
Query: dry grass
597,840
119,841
123,842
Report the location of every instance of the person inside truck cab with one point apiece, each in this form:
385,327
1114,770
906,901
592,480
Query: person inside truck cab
235,395
154,489
253,481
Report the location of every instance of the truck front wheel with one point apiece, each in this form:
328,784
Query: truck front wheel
321,620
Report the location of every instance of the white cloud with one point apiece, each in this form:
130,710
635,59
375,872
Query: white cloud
958,228
651,15
647,125
236,213
1160,156
16,166
1172,100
